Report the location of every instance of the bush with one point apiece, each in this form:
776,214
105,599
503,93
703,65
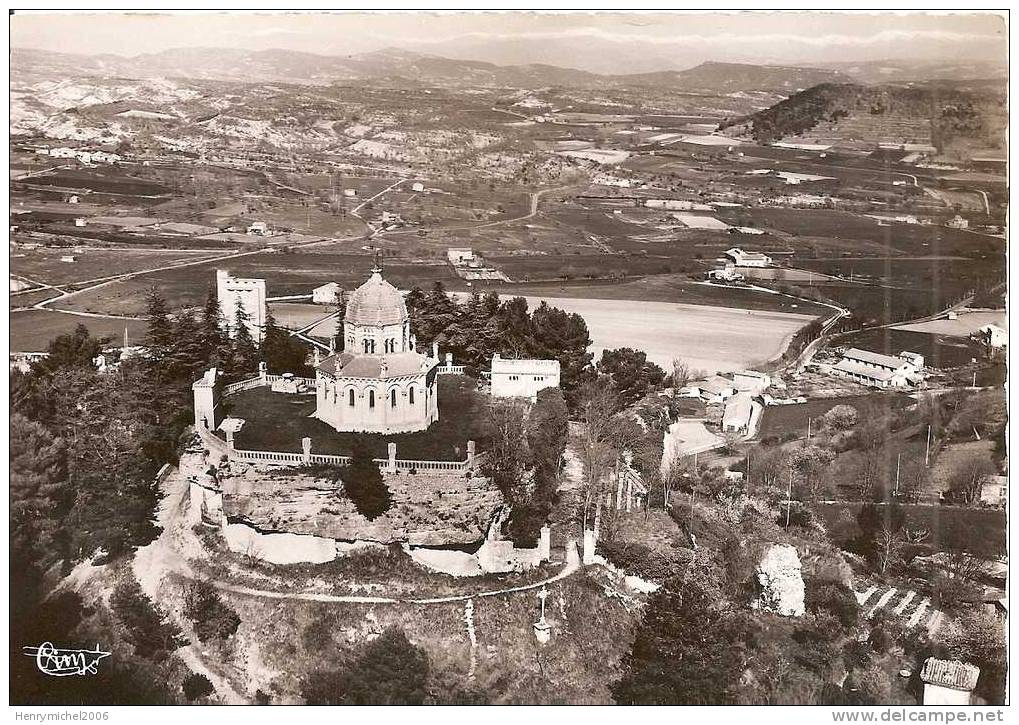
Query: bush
389,671
363,484
195,686
212,619
641,560
836,599
149,631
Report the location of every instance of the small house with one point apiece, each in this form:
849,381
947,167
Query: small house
327,294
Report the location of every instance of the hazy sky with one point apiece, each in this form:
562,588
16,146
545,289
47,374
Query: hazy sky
577,39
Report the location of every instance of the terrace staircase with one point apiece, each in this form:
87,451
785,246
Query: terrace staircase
907,604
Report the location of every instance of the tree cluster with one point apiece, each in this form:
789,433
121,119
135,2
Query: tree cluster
389,670
477,328
527,444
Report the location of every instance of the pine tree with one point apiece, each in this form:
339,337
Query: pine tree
341,312
363,483
282,352
245,353
39,492
160,331
214,338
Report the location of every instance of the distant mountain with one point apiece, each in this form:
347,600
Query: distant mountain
904,71
736,77
400,67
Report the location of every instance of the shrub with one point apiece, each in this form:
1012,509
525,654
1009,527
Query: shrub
388,671
641,560
148,630
195,686
835,599
212,618
363,484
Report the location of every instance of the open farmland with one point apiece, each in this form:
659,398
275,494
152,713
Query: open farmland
92,263
707,338
32,330
963,326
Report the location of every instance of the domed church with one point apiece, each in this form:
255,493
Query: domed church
379,383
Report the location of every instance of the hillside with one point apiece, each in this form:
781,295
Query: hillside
950,119
736,77
401,67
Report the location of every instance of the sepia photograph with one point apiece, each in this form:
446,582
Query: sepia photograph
474,357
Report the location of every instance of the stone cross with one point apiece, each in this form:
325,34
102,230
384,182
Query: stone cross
542,595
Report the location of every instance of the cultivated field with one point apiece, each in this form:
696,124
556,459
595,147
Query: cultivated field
707,338
33,330
966,324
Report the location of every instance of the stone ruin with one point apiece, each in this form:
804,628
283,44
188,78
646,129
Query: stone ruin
780,582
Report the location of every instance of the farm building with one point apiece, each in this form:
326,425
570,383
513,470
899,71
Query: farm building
751,381
715,389
379,383
249,294
327,294
460,255
741,258
948,682
259,229
727,274
957,222
350,193
994,491
739,413
880,371
417,186
522,378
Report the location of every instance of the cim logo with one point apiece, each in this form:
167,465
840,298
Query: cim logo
65,662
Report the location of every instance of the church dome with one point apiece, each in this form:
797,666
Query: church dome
376,302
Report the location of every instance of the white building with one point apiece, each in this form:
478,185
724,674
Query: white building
259,229
741,258
751,381
460,256
522,378
251,295
327,294
957,222
726,274
63,152
103,157
994,490
417,186
879,371
379,383
350,193
738,413
948,682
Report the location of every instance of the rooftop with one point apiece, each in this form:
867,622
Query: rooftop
873,358
376,303
393,365
950,673
856,368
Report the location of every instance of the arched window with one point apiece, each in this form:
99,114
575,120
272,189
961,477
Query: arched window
350,398
365,343
371,398
410,395
372,346
392,398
